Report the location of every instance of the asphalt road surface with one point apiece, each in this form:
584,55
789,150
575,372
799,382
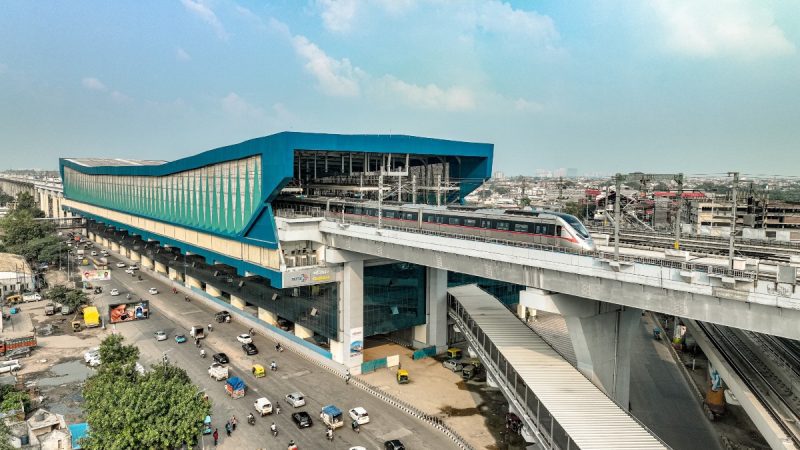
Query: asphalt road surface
170,313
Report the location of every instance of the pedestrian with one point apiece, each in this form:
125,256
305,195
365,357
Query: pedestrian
233,423
347,377
216,436
228,428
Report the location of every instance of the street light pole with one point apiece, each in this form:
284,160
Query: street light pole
735,176
617,198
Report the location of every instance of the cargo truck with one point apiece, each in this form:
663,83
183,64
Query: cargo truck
197,332
218,372
332,416
7,345
91,316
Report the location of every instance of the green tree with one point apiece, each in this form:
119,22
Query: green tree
25,201
4,435
574,208
74,299
502,190
58,293
19,228
5,199
168,412
10,398
524,201
112,351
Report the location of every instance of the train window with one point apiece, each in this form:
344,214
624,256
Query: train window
410,216
502,226
521,227
549,228
486,224
558,231
372,212
470,222
454,221
430,218
348,210
388,214
358,210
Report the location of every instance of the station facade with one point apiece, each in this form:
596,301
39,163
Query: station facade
217,222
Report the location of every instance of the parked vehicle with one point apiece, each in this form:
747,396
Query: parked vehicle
471,370
91,317
120,265
49,309
31,297
394,444
65,310
453,353
244,339
91,353
6,345
258,371
152,291
453,365
114,292
331,416
296,399
235,387
402,376
263,406
222,316
10,366
218,372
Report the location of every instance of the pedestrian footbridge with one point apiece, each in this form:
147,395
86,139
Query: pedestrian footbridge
558,405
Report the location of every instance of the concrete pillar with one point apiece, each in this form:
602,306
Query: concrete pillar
114,246
434,331
267,316
135,256
302,332
193,282
160,267
123,251
90,235
348,349
147,262
212,291
172,273
237,302
105,243
98,239
601,336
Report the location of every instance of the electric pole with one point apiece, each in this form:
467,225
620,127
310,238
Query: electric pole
735,176
617,196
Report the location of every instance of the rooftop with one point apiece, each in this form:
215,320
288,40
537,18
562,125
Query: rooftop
10,262
116,162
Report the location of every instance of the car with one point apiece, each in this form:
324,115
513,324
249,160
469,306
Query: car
180,338
222,316
394,444
453,365
94,362
94,253
114,292
302,419
360,415
130,271
152,291
91,353
160,335
250,349
104,252
134,266
221,358
296,399
120,265
244,339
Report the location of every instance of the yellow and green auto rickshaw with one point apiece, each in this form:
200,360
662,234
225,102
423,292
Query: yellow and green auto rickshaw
453,353
258,371
402,376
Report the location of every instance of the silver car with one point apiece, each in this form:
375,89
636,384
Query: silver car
296,399
453,365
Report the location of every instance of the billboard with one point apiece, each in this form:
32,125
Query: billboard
126,312
95,275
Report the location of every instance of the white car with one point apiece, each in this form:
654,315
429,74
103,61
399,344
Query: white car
296,399
130,271
91,353
360,415
152,291
114,292
94,253
244,339
120,265
104,252
160,335
95,361
133,267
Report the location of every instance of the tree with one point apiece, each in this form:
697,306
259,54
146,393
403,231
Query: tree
74,299
25,201
168,412
10,398
574,208
502,190
484,194
524,201
58,293
5,199
19,228
5,434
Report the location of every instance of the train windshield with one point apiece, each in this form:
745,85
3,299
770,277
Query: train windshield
576,225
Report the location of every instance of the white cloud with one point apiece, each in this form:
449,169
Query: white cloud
430,96
93,84
522,104
337,15
501,18
119,97
182,55
335,77
201,10
236,106
706,28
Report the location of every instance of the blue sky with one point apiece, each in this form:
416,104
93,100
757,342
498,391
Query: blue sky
696,86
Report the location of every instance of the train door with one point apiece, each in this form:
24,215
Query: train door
559,242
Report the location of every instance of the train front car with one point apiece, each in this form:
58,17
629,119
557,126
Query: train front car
578,231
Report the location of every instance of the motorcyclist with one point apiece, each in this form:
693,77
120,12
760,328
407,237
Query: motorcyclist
251,419
202,353
273,366
128,296
329,433
355,426
210,327
292,445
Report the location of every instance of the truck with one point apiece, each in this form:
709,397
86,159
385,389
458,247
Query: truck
49,309
31,297
197,332
7,345
235,387
218,372
91,317
332,416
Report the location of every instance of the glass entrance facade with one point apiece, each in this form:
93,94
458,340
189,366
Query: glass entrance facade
394,297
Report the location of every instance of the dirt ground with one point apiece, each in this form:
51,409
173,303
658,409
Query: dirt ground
473,409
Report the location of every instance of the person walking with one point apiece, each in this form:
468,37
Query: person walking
233,423
347,377
228,428
216,436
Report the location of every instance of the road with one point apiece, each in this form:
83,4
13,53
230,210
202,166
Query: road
169,312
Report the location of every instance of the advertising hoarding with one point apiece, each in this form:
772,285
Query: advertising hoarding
126,312
95,275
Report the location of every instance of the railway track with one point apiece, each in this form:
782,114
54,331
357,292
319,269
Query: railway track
770,388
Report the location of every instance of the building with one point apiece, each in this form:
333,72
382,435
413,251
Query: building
223,223
15,274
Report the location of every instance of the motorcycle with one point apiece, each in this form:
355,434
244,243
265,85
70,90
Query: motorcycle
273,366
329,434
251,419
210,327
274,430
202,353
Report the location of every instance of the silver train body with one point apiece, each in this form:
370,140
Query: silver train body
536,227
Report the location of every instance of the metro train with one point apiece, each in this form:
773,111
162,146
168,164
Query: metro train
537,227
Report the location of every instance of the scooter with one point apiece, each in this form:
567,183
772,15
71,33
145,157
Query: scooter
251,419
274,430
203,353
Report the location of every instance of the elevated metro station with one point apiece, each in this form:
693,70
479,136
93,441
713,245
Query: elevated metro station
209,221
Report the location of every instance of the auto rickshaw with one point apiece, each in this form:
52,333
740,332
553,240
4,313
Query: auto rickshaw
207,425
402,376
258,371
76,325
453,353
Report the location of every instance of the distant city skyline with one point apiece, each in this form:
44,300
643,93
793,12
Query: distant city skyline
652,86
